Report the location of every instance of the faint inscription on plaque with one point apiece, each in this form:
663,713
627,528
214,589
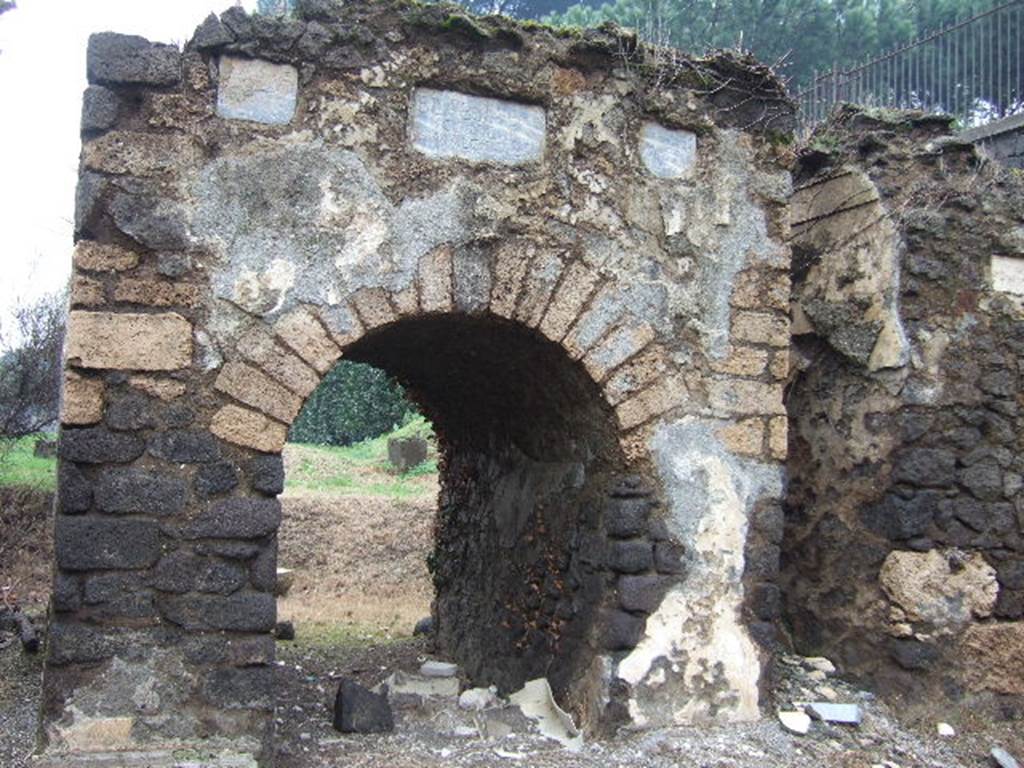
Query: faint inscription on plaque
451,124
668,153
251,89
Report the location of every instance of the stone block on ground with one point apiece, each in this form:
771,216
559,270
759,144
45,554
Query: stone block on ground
359,710
404,453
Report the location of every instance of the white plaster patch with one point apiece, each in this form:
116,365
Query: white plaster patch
1008,274
251,89
668,153
696,631
452,124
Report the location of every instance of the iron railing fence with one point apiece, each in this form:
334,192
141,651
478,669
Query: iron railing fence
972,69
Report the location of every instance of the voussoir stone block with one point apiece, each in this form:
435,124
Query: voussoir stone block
129,341
92,543
451,124
112,58
249,429
303,333
251,89
252,387
258,347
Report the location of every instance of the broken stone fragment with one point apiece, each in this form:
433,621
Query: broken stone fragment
1003,759
424,626
848,714
359,710
795,722
478,699
536,701
820,663
403,685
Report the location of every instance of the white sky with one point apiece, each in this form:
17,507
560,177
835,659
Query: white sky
42,76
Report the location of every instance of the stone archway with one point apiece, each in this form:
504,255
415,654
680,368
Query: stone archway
578,265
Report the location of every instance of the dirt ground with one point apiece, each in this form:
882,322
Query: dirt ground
361,582
356,560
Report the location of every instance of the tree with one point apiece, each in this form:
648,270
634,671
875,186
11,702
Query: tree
353,402
30,366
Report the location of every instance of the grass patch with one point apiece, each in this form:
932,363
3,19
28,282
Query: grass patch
20,467
362,469
324,635
354,470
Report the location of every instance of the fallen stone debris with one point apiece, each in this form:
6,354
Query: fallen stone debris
359,710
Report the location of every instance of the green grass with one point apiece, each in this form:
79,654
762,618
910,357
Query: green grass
19,467
361,469
326,635
355,470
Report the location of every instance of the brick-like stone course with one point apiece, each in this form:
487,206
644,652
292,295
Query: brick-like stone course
128,341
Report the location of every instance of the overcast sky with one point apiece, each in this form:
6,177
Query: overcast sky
42,76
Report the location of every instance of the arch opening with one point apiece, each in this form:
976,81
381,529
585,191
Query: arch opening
528,450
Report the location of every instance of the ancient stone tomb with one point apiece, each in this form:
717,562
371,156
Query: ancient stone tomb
574,262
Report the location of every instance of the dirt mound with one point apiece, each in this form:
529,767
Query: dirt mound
357,560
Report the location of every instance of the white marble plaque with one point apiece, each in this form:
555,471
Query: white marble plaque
251,89
668,153
452,124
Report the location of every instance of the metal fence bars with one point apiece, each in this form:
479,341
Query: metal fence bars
972,69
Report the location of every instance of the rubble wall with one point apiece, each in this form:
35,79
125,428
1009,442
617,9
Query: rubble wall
904,549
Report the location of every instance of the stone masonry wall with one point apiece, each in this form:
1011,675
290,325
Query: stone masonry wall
904,552
572,247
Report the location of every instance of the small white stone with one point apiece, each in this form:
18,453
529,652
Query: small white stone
795,722
945,729
820,663
477,699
